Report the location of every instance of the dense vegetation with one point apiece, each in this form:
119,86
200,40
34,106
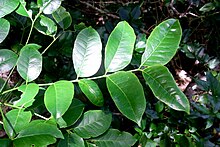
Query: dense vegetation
109,73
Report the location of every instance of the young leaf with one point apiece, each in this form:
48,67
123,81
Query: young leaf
27,98
36,141
115,138
71,140
93,124
8,60
165,89
72,114
7,6
4,28
62,17
46,26
87,52
58,98
23,11
128,95
119,48
29,62
40,127
92,91
15,120
49,6
162,43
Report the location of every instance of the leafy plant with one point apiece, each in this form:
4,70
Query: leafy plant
67,122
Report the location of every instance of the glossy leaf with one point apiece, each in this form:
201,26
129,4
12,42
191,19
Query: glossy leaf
46,26
93,124
119,48
7,6
115,138
15,120
162,43
165,89
58,97
87,52
72,114
23,11
8,60
37,141
127,94
62,17
71,140
29,62
27,98
4,28
49,6
92,91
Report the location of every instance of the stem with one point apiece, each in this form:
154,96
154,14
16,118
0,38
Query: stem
10,105
38,115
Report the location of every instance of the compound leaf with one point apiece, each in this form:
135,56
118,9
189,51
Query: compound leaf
7,6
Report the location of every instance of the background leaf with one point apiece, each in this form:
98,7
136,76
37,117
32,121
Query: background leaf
4,28
62,17
119,48
93,124
7,6
49,6
8,60
27,98
58,98
127,94
87,52
92,91
114,138
71,140
29,62
72,114
15,120
46,26
165,89
162,43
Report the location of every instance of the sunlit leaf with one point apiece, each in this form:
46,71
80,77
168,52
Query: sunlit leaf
87,52
127,94
165,89
58,97
23,11
93,124
7,60
7,6
29,62
49,6
115,138
162,43
119,48
92,91
4,28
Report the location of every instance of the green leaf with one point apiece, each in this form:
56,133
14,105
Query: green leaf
165,89
119,48
62,17
92,91
40,127
8,60
72,114
162,43
128,95
46,26
5,142
71,140
23,11
27,98
87,52
115,138
49,6
36,141
93,124
7,6
29,62
58,97
4,28
15,120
